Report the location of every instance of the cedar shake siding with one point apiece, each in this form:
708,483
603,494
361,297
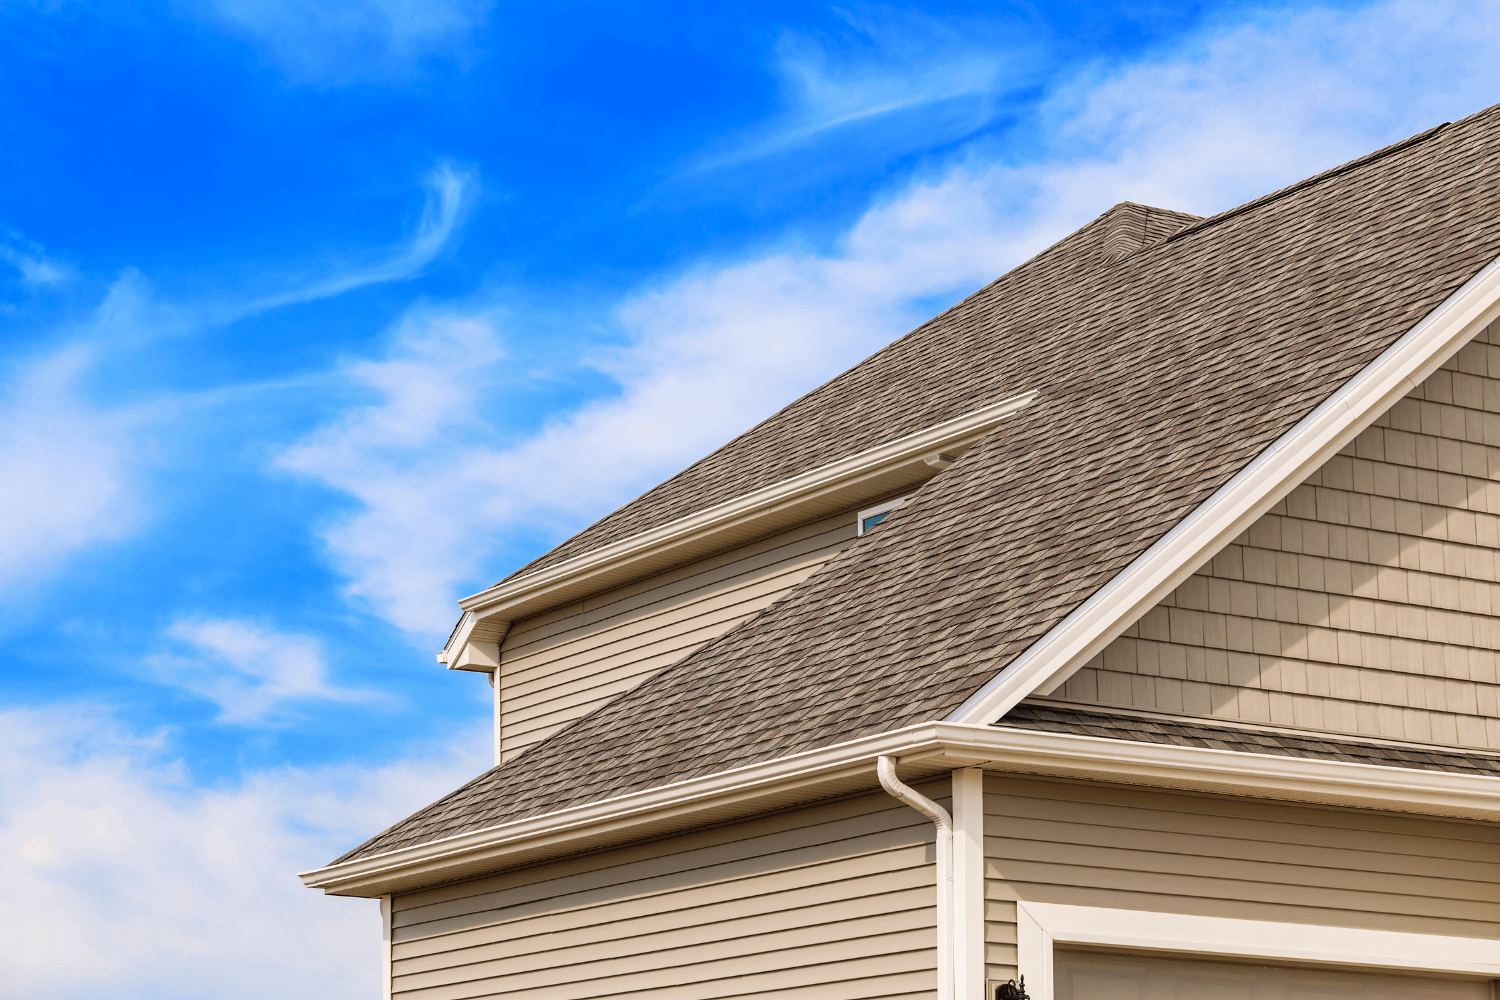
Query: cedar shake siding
1137,849
833,901
1367,602
561,665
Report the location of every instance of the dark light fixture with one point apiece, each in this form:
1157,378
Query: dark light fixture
1012,990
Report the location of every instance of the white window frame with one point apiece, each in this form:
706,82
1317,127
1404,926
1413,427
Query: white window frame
1040,926
880,508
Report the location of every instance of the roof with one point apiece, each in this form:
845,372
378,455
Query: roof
1160,375
1138,727
884,398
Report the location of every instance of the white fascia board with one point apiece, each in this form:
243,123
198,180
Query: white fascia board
923,749
700,528
689,800
1290,460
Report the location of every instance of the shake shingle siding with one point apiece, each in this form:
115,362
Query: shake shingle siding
1366,602
1159,377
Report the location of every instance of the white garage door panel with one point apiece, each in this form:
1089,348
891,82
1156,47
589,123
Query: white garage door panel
1082,975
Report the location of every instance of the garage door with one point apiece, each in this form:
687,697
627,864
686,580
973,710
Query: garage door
1138,975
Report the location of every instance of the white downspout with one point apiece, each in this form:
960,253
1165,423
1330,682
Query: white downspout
495,683
886,768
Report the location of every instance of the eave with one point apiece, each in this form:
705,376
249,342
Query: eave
925,749
849,483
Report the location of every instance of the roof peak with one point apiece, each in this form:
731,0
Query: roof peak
1130,226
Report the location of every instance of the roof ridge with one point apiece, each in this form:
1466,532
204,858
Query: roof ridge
1328,174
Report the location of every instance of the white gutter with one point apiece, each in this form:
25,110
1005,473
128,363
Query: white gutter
1294,456
846,484
886,769
926,748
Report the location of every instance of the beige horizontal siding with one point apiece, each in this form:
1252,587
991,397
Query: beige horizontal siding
562,665
1130,848
1367,602
832,900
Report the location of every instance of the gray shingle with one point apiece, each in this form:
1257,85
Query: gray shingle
1160,376
1243,739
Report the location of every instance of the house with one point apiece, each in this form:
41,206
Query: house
1131,627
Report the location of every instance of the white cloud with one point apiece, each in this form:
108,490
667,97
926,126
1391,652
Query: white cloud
342,41
396,456
31,261
1223,118
123,879
709,354
251,672
69,469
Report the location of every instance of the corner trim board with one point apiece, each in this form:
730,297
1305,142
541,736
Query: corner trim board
387,945
968,884
1294,456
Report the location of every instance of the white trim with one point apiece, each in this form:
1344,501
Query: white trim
880,508
478,656
935,747
968,883
895,465
1040,926
387,947
1235,506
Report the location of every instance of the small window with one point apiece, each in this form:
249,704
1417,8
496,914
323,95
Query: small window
867,519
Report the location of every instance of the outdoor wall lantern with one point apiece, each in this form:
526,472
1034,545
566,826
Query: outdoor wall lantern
1012,990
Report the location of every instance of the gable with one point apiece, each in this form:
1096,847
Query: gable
560,666
1367,602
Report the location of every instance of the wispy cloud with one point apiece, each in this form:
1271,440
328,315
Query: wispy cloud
252,672
891,82
75,466
345,41
31,261
451,190
123,879
1227,116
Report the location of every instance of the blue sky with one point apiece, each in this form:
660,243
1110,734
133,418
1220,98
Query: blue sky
316,316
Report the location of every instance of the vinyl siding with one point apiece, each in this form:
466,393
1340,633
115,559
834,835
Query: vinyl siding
834,900
562,665
1367,602
1131,848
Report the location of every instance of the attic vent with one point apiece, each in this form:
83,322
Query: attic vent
1125,237
867,519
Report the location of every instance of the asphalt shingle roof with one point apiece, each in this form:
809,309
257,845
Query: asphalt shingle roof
1245,739
1159,375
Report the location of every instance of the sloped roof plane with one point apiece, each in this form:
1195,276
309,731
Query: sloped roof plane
1160,376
